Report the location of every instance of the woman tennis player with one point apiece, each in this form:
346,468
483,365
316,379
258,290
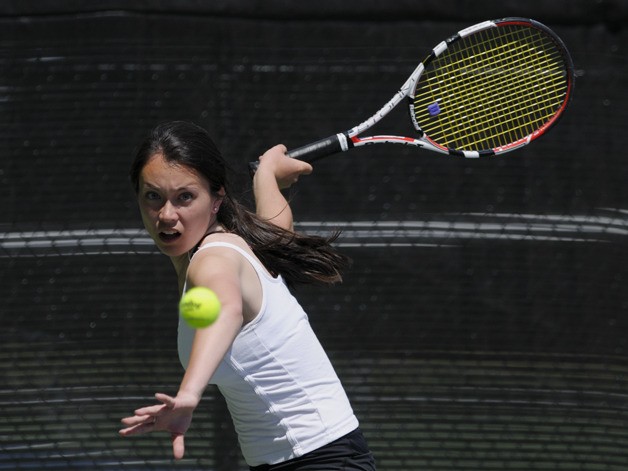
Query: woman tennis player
288,406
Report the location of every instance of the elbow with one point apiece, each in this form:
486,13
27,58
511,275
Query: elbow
232,315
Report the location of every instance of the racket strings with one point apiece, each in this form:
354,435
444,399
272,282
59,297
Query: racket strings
476,94
525,90
506,102
491,89
487,68
513,115
535,98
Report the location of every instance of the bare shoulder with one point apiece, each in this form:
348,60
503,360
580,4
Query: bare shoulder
223,238
228,272
219,254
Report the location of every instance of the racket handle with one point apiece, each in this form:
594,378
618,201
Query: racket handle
314,151
322,148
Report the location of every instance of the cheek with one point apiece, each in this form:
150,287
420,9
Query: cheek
148,216
200,213
200,220
145,219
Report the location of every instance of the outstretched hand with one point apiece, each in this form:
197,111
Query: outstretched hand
173,415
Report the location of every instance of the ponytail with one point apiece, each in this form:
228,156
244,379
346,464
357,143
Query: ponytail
298,258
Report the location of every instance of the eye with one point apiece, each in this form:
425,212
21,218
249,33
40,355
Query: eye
152,196
186,197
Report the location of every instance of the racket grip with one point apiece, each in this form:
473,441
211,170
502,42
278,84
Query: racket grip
313,151
321,148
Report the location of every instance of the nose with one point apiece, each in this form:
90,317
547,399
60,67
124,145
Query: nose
168,214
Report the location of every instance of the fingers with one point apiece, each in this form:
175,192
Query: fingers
145,418
285,170
279,148
138,425
178,446
166,400
302,167
150,410
137,420
173,415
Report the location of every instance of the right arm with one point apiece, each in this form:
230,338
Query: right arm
276,172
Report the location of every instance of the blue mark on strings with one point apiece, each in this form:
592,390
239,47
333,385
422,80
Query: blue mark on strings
433,109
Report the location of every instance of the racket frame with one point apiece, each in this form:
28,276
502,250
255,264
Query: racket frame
344,141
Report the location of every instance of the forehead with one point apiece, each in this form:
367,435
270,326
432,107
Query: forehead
161,173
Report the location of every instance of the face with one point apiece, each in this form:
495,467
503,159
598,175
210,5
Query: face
176,205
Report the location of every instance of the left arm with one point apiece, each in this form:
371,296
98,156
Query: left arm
276,172
218,270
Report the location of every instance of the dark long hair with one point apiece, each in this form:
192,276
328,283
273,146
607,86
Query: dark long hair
298,257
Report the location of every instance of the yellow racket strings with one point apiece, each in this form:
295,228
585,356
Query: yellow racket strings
491,89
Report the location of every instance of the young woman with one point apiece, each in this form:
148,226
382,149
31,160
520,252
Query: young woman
287,404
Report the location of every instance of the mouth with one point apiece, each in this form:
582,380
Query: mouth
169,236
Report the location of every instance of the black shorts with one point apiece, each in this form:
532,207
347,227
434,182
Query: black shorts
348,453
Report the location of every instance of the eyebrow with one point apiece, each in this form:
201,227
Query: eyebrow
185,187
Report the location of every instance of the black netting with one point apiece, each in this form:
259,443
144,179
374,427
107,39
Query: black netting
484,322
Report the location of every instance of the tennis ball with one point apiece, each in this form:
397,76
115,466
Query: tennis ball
199,307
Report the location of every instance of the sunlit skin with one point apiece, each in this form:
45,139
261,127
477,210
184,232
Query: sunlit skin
176,205
177,210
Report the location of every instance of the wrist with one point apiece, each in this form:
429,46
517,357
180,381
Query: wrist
263,172
189,397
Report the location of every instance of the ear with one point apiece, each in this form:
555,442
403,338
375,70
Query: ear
220,195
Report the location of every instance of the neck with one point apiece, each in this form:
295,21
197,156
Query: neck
180,264
213,229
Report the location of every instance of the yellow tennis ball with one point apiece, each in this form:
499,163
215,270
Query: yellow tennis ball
199,307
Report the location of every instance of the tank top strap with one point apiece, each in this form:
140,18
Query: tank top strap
259,268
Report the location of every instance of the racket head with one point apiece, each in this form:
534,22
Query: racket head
492,88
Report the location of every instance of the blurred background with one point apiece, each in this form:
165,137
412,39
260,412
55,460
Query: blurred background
483,325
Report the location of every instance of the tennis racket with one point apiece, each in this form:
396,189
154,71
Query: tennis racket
489,89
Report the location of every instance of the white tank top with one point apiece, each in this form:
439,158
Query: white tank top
283,394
